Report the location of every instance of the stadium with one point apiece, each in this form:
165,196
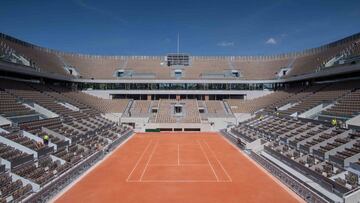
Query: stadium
179,127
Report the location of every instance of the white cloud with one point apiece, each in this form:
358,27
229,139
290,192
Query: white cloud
226,44
271,40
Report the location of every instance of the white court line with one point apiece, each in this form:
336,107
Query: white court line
178,155
178,181
138,161
162,143
200,164
230,180
217,178
147,163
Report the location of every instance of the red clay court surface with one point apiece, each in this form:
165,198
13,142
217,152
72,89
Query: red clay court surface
177,167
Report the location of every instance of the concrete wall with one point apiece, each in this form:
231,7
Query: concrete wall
287,106
240,117
353,197
45,111
69,106
202,126
41,110
115,117
98,93
6,163
4,121
256,94
54,158
354,121
310,112
351,159
2,130
313,111
255,145
140,122
221,123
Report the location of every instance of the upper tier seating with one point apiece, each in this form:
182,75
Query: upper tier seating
94,67
303,99
202,67
250,106
328,94
265,69
102,105
43,59
148,67
140,67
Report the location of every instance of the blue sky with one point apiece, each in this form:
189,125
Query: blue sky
206,27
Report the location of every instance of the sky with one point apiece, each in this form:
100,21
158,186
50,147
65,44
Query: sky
205,27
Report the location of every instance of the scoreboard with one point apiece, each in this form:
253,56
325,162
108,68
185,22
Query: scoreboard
178,59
